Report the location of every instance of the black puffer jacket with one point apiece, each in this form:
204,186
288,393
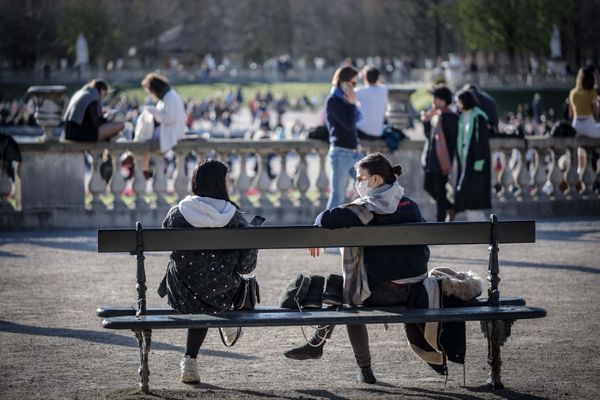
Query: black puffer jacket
204,281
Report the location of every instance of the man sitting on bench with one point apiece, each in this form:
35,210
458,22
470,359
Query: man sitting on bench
374,276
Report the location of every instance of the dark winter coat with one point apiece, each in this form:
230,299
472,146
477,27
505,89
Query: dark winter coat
385,263
449,121
473,188
204,281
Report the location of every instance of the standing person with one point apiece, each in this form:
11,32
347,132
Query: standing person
204,281
488,105
583,104
372,100
84,119
444,122
390,270
341,117
168,114
473,184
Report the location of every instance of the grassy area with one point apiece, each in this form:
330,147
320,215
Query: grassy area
203,91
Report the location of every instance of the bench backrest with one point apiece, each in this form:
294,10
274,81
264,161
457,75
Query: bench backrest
288,237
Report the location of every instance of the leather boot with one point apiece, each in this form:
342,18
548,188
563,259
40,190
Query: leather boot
314,350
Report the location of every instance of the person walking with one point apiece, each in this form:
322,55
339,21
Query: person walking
442,122
472,192
341,117
391,271
204,281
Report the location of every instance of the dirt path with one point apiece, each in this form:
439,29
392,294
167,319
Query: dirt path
54,348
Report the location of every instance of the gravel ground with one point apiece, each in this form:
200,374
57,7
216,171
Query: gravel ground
54,348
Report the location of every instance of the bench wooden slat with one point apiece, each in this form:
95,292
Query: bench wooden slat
121,311
347,316
287,237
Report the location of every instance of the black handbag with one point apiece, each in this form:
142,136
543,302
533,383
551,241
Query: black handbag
246,298
248,295
295,292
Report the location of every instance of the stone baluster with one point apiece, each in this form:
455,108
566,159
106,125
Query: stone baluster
555,177
263,181
117,184
506,178
244,182
540,176
284,183
97,184
160,181
322,181
302,183
523,176
587,176
139,183
181,179
571,176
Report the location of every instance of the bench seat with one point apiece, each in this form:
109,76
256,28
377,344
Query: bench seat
350,316
123,311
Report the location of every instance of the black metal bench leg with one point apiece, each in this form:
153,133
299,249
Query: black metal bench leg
496,333
144,338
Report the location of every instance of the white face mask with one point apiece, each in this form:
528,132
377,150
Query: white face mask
363,188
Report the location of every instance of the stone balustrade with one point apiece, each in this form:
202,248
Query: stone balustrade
285,181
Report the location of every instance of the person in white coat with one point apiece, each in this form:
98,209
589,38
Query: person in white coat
168,114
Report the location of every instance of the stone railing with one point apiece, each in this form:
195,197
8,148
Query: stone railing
285,181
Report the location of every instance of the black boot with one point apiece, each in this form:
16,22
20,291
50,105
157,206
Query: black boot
365,375
314,297
314,350
334,290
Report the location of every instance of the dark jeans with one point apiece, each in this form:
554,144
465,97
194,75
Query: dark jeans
435,185
381,295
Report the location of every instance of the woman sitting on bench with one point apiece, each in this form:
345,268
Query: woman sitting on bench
204,281
390,270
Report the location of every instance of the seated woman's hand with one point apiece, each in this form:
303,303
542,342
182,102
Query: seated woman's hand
314,251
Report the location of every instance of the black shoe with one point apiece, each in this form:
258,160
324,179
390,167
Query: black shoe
334,289
365,375
306,352
314,297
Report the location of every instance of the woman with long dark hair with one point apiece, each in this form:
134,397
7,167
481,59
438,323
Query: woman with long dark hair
473,187
204,281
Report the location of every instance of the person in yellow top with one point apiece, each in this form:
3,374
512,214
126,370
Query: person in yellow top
583,104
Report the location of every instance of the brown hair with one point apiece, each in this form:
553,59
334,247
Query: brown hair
156,84
585,79
343,74
378,164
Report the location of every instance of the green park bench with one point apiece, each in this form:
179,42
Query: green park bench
495,313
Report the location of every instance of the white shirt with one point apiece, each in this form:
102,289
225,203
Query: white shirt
372,104
170,113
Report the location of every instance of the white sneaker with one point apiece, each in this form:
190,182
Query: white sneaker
230,335
189,370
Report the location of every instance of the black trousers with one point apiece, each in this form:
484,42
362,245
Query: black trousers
435,185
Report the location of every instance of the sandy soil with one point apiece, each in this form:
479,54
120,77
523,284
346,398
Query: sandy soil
52,345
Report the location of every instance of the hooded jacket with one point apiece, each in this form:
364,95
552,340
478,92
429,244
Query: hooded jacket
204,281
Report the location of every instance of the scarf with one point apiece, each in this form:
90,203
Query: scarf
206,212
382,200
463,140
